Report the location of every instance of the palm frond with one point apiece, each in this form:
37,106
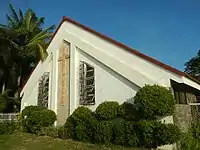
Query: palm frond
39,22
21,15
27,18
45,31
3,26
13,13
43,52
11,22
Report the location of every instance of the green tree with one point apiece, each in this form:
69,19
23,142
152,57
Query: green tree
192,67
23,42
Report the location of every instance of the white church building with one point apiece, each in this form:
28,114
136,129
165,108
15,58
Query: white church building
85,67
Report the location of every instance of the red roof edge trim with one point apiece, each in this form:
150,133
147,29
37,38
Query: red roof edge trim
131,50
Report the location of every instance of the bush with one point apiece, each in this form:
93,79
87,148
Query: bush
154,101
107,110
29,109
191,139
145,132
62,132
80,125
119,136
38,119
189,142
7,127
103,132
130,134
166,134
129,112
81,132
124,133
155,133
49,131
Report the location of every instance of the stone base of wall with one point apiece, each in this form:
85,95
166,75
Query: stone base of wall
182,116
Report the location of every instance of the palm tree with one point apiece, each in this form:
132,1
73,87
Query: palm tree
26,39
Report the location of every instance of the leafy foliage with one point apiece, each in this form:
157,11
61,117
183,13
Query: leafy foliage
103,132
154,101
191,139
49,131
30,109
7,127
145,133
192,67
166,134
129,111
124,133
7,103
23,43
155,133
80,124
38,119
107,110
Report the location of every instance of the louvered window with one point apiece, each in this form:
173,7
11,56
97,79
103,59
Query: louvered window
87,84
43,90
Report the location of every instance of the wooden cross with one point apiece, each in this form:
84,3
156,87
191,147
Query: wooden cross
64,55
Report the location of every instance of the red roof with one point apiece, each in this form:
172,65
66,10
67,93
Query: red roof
131,50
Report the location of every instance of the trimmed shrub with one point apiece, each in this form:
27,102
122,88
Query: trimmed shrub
107,110
128,111
49,131
81,132
38,119
130,132
154,101
124,133
62,132
103,132
119,136
166,134
69,127
145,132
154,133
7,127
80,125
29,109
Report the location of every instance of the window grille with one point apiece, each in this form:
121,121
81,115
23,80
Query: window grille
87,84
43,90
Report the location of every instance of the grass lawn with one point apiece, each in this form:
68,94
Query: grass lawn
23,141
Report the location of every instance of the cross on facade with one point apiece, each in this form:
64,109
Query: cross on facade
63,59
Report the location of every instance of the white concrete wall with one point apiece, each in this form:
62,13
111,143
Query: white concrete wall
109,85
155,73
30,90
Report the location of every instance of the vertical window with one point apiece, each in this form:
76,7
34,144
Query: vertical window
43,90
87,84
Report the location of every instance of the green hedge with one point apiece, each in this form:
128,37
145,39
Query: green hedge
126,124
154,101
51,131
129,112
107,110
103,132
38,119
29,109
7,127
124,133
80,125
154,133
166,134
